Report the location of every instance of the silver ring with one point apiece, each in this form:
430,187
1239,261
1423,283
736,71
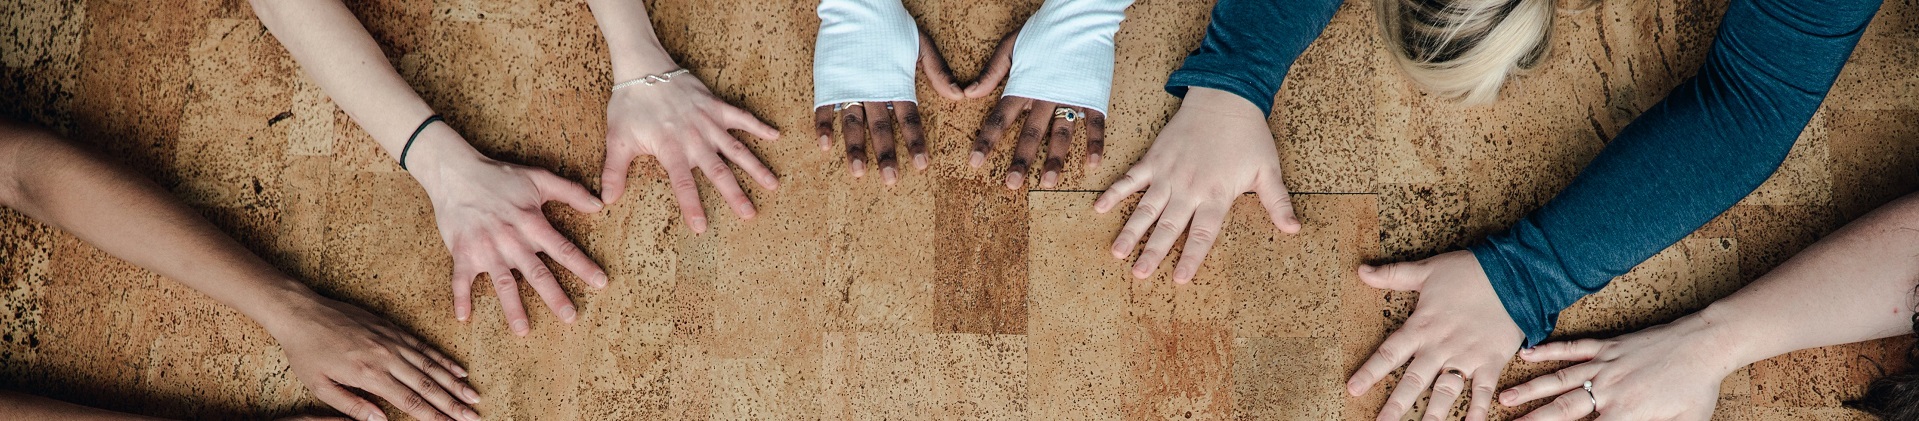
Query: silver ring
1066,113
1589,395
845,105
1456,373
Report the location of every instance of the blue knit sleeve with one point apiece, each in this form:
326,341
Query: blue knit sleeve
1709,143
1250,45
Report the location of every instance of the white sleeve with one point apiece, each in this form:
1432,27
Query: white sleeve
1064,54
866,52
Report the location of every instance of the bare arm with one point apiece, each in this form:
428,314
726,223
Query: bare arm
15,406
330,345
488,211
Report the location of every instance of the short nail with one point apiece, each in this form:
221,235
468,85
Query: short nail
978,159
471,396
1050,179
826,142
376,417
520,327
1365,269
920,162
470,415
699,225
600,279
1014,180
1092,160
890,175
569,313
859,168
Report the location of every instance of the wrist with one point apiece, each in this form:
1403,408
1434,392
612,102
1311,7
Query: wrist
1218,102
277,306
1722,340
635,63
435,153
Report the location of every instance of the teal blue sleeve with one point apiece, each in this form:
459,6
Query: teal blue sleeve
1713,140
1250,45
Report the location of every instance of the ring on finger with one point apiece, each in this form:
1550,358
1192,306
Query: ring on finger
1590,396
1456,373
845,105
1066,113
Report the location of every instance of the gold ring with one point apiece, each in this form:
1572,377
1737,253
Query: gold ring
1066,113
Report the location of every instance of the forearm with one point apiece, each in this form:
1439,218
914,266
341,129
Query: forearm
1250,45
129,217
1856,284
15,406
1693,155
630,42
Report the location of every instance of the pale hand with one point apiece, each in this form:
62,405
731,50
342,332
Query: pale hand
1458,326
685,127
1666,372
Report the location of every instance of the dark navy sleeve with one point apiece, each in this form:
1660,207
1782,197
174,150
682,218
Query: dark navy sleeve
1709,143
1250,45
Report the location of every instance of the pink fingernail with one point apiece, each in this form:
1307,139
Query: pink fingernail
520,327
978,159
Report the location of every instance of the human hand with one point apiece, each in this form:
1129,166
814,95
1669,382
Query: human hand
333,346
890,120
1068,77
684,126
490,218
1667,372
1459,331
1215,148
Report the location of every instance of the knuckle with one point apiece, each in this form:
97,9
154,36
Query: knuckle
1029,134
503,281
1201,236
853,119
1165,226
735,146
683,184
911,117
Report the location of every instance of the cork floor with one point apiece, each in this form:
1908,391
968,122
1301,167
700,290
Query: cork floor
945,297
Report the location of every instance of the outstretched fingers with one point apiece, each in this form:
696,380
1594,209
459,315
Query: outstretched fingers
990,131
1200,238
996,68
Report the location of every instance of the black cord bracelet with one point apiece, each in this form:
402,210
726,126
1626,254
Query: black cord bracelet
416,135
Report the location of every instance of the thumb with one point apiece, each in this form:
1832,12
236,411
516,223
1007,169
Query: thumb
554,188
1279,204
937,72
996,68
1404,276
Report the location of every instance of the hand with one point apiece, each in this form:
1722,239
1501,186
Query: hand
901,118
1459,326
1217,147
684,126
1041,117
490,218
333,346
1666,372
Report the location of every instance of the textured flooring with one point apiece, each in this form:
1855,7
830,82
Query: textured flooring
945,297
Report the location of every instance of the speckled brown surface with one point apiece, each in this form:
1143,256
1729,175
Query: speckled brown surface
942,298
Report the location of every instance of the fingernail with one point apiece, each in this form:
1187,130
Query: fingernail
1527,351
569,313
520,327
698,225
1014,180
471,395
469,415
1049,180
920,162
859,168
376,417
1092,160
978,159
889,175
1506,397
600,279
826,143
1365,269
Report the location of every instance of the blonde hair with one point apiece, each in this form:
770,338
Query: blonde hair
1464,49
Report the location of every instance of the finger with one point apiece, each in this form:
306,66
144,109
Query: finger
913,133
1417,378
996,68
1395,351
346,402
1095,137
1403,276
1485,385
446,380
613,174
729,187
554,188
1200,238
686,193
994,127
1171,225
435,392
1135,179
404,397
1569,406
462,290
853,122
1278,203
569,256
736,118
1038,116
542,281
1059,142
1577,350
823,126
736,152
937,72
1562,381
509,292
1144,214
1446,390
880,125
441,358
